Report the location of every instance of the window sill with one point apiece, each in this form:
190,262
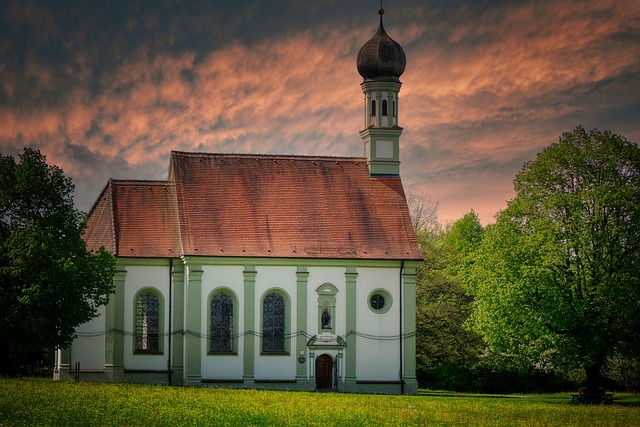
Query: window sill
148,352
275,353
222,353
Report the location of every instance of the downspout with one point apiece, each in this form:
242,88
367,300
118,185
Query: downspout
401,320
170,313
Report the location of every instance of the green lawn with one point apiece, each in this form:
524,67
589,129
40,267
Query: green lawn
37,402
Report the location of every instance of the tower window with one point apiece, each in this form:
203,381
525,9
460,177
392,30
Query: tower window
395,113
384,107
373,107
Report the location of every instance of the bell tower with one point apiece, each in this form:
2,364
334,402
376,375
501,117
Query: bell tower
381,62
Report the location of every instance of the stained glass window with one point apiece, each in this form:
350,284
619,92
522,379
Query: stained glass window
148,323
221,324
273,321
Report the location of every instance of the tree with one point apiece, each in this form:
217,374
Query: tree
49,282
556,279
423,210
446,351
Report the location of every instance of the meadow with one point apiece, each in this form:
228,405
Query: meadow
42,402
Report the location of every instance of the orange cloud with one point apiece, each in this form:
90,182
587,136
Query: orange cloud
482,93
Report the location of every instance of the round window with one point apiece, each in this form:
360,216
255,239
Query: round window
377,301
380,301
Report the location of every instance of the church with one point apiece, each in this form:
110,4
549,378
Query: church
263,271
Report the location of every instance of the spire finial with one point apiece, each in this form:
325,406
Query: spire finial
381,10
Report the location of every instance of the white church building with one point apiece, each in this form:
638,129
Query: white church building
263,271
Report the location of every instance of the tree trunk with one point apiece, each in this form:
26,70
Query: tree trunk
593,378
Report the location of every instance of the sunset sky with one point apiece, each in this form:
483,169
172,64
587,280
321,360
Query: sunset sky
106,89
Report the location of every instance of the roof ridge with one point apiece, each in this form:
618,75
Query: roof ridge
265,156
143,181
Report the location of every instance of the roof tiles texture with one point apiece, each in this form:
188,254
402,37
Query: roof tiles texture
257,206
136,219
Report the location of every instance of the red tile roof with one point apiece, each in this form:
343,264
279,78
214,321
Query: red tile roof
136,219
257,206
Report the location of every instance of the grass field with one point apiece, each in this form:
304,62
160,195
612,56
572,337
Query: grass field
38,402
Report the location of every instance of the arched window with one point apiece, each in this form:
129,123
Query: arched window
273,324
384,107
373,107
221,324
327,308
147,322
395,112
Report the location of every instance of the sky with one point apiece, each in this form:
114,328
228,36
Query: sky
107,88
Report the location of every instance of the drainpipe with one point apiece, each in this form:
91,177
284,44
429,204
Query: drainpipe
170,313
401,320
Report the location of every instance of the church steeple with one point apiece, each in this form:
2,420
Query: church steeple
381,61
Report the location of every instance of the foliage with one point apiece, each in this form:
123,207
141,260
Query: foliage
446,351
624,371
556,280
45,402
49,282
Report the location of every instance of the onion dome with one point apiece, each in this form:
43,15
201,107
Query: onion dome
381,58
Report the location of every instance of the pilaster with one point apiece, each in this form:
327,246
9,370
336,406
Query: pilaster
351,276
249,325
177,355
409,326
114,322
193,338
64,363
302,278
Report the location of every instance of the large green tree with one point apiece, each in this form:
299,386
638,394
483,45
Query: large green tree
556,279
49,282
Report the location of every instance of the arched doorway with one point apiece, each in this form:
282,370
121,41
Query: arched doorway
324,372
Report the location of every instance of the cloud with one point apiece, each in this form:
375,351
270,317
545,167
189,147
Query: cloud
109,90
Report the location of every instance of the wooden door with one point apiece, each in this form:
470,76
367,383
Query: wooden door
324,372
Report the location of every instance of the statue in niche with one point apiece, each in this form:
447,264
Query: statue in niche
326,315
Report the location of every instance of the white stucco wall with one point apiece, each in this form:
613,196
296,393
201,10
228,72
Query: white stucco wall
213,278
137,278
377,359
275,367
88,348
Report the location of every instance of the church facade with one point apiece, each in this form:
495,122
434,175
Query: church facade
263,271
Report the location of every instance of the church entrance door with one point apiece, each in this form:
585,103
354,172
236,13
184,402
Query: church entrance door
324,372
